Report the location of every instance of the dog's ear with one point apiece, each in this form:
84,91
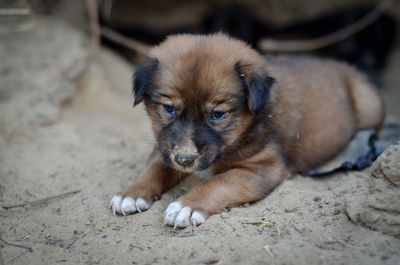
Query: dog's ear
142,79
257,83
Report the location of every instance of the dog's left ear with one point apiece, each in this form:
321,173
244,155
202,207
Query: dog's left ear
257,82
142,79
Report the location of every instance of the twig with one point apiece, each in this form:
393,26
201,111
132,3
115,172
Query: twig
39,201
125,41
74,240
210,261
16,245
14,11
93,13
264,223
267,45
267,248
132,246
97,30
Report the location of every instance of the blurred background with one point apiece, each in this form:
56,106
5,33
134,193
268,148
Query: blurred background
253,21
150,21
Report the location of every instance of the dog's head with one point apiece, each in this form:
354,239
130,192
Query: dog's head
202,93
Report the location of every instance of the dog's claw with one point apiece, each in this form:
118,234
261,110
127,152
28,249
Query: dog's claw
127,205
179,217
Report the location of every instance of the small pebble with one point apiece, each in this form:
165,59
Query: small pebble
326,223
317,199
328,212
224,215
290,209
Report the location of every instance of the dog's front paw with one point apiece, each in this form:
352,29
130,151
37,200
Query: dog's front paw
127,205
180,216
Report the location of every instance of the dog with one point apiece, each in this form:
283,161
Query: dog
240,121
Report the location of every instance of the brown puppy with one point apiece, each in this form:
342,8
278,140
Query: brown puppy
244,122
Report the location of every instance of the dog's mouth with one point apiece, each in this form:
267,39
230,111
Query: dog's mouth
184,169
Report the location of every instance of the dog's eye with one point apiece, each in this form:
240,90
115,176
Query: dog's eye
217,115
169,109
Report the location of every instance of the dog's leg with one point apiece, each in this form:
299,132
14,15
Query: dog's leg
152,182
241,184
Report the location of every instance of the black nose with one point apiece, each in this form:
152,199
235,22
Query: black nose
185,161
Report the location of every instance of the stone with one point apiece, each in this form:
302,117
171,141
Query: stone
388,165
224,215
376,203
32,95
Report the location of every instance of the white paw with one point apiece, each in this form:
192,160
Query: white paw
127,205
177,216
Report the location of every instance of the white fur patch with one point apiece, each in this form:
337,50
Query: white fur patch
142,205
127,205
204,174
177,216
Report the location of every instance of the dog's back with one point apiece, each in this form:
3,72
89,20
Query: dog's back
323,103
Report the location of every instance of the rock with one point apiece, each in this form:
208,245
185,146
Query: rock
35,84
290,209
328,212
224,215
317,199
388,165
376,204
336,210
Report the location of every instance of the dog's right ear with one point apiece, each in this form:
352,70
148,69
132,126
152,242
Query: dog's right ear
142,79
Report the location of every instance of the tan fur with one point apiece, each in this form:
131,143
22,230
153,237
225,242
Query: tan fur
314,108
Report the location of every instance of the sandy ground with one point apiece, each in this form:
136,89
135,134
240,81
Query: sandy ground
98,144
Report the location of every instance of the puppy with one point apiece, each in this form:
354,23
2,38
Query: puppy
240,121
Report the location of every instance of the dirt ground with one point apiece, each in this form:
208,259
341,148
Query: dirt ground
97,143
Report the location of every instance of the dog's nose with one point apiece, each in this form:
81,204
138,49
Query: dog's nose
185,161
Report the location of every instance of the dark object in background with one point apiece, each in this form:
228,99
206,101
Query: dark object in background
368,49
238,22
46,7
362,151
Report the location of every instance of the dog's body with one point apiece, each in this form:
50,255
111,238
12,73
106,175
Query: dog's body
221,110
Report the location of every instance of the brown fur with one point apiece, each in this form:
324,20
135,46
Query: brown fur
314,107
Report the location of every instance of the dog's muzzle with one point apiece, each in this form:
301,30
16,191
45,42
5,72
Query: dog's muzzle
184,155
